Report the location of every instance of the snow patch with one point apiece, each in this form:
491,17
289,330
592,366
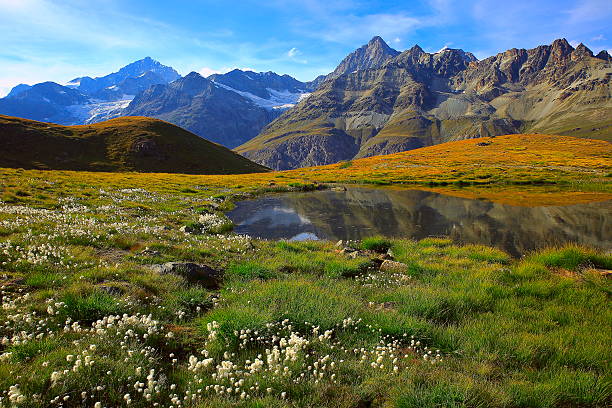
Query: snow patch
98,111
73,84
278,99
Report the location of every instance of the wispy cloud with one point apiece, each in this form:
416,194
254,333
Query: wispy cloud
589,10
356,29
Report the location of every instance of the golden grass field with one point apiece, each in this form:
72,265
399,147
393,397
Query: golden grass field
514,169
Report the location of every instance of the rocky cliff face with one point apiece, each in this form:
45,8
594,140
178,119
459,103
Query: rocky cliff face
416,99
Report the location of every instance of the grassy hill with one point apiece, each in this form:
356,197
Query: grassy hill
519,158
123,144
462,168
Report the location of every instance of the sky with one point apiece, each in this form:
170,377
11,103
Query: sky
57,40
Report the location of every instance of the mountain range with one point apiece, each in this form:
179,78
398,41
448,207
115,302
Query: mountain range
377,101
229,109
226,108
380,101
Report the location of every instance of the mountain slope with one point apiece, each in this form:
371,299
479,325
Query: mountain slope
418,99
124,144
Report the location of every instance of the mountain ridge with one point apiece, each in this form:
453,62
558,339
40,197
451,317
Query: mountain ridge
418,99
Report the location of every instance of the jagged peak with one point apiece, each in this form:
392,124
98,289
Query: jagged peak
582,50
377,40
193,75
416,49
377,43
561,47
451,52
144,61
603,54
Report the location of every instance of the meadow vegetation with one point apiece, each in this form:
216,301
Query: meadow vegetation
88,321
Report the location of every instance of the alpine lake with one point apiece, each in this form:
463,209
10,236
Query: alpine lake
360,212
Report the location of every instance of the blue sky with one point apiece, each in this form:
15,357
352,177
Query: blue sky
59,40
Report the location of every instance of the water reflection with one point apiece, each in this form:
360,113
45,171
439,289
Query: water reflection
362,212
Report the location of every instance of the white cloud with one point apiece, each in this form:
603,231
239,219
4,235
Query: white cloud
293,55
599,37
397,40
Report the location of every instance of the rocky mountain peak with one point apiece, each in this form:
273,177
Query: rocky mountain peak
371,55
560,49
415,50
377,42
581,51
603,54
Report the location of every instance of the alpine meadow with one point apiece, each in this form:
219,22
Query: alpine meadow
419,216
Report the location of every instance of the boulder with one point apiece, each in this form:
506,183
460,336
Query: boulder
194,273
393,266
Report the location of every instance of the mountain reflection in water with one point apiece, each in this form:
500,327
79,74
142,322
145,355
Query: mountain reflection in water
362,212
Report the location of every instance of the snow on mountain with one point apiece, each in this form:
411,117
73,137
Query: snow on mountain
98,111
278,99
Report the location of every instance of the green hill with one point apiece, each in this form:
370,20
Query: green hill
122,144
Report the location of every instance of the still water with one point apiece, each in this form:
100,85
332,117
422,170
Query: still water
362,212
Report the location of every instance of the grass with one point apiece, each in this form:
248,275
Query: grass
376,244
85,319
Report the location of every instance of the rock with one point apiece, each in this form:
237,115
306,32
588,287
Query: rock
353,255
384,257
111,290
390,253
339,244
338,188
193,228
192,272
145,148
149,252
393,266
483,144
